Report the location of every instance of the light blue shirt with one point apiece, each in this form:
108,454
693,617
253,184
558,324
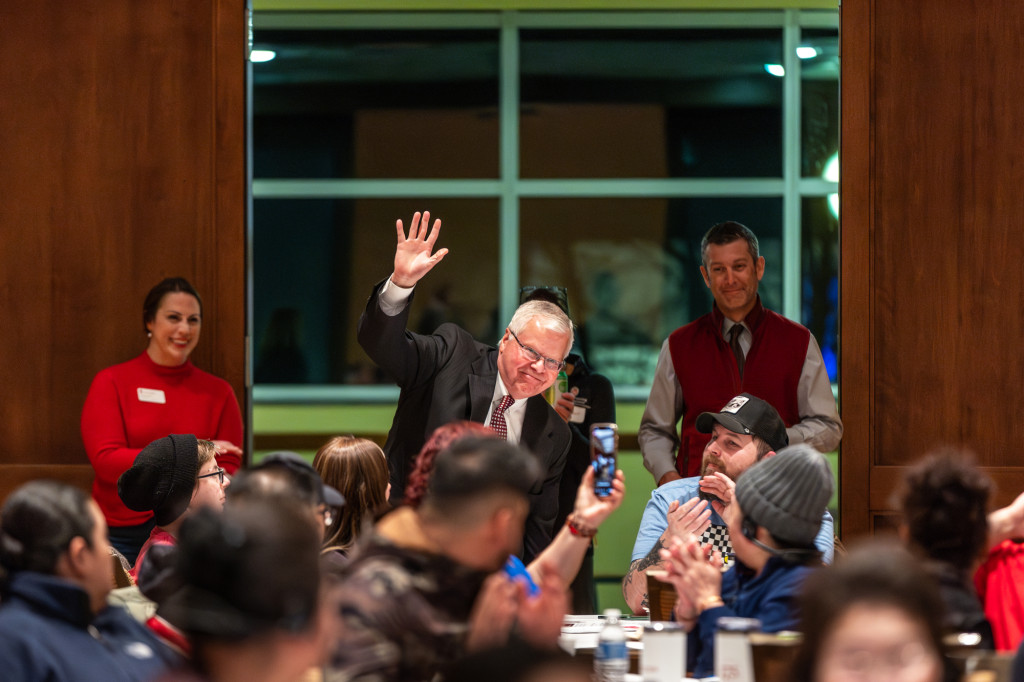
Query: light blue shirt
655,518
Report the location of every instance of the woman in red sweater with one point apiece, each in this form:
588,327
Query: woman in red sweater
155,394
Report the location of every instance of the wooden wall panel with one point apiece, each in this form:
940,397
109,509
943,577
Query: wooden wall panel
124,162
931,246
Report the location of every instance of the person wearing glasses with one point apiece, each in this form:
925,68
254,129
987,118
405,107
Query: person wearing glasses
172,477
448,376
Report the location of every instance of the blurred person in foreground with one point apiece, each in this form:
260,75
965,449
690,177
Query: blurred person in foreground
250,600
774,515
426,587
56,570
875,616
944,504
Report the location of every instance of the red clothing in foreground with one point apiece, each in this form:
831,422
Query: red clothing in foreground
136,402
157,536
1000,585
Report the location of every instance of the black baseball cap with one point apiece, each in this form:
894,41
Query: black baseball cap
750,415
297,464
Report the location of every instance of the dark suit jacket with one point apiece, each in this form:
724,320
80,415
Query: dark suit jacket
447,376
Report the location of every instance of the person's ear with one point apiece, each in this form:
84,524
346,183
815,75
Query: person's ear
707,280
759,267
74,557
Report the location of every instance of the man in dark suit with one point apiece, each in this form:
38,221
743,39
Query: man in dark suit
448,375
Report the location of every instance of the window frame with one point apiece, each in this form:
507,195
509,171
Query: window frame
509,188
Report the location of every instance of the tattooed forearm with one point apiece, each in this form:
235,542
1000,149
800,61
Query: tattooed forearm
653,557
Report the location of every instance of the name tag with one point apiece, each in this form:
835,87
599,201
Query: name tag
151,395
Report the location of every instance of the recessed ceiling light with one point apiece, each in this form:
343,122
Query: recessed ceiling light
775,70
807,52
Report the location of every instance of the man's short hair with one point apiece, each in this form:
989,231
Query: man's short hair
549,314
476,468
763,447
727,233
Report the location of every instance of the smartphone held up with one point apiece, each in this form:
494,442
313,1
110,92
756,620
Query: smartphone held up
604,449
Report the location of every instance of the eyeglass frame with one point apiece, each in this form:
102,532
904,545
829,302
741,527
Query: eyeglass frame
533,355
219,472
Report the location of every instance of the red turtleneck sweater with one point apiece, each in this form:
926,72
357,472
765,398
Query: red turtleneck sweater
136,402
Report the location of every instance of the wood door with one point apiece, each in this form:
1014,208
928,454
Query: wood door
932,196
123,147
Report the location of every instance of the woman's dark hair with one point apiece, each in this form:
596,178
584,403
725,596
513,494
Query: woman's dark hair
878,573
247,571
944,500
442,437
356,468
38,522
171,285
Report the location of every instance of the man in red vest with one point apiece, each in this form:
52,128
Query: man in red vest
739,347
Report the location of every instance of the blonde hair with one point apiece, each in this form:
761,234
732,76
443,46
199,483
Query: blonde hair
357,468
207,453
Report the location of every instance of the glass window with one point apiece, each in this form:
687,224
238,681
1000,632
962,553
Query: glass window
315,262
376,104
819,278
632,268
652,103
631,143
819,84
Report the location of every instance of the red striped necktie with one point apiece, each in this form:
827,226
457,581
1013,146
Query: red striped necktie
498,422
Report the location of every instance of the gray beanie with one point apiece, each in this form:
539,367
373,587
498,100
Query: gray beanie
163,478
787,494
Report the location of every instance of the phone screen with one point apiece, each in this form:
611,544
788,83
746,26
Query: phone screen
604,446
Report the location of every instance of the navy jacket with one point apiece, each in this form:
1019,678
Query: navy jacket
48,633
769,596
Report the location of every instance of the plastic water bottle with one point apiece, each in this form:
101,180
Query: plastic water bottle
611,659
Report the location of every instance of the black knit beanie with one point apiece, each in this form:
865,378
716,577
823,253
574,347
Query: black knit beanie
162,478
787,494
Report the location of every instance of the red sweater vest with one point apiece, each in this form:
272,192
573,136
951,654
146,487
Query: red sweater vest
709,377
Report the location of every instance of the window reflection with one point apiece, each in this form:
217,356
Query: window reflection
376,104
315,262
652,103
631,268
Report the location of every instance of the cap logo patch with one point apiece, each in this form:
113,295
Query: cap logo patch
735,404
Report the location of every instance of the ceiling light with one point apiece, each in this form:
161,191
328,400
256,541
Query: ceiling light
807,52
261,55
775,70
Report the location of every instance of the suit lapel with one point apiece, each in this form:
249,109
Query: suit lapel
536,435
483,375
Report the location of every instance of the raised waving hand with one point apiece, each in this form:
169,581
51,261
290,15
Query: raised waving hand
413,257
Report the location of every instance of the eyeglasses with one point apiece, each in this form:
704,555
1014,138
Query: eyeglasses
219,473
534,356
861,664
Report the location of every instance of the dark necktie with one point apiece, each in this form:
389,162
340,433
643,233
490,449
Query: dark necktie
734,343
498,422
